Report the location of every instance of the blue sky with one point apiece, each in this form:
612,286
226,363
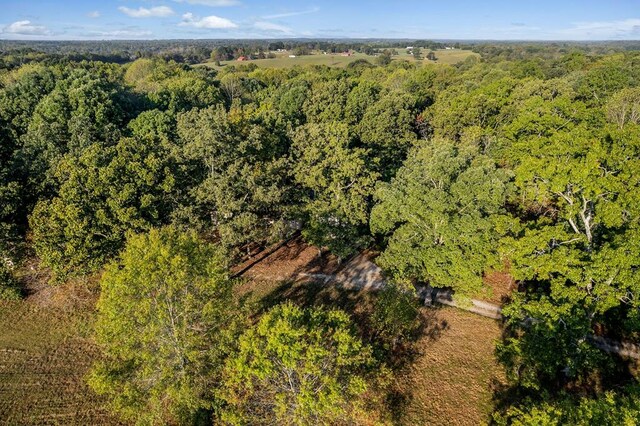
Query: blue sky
425,19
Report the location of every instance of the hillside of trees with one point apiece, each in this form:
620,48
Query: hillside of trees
157,177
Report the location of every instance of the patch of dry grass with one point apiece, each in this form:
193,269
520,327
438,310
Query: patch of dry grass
453,379
45,353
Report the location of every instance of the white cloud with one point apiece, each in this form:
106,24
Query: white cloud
154,12
627,28
271,27
288,14
212,3
94,14
189,20
26,28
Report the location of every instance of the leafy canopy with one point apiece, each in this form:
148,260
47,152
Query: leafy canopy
297,367
166,321
442,214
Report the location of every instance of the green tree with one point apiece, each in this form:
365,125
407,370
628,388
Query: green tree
240,187
290,99
577,249
12,216
605,77
338,181
327,100
83,109
360,97
8,284
388,129
417,53
624,107
384,58
608,408
171,86
443,213
104,193
484,106
396,317
297,367
167,319
22,90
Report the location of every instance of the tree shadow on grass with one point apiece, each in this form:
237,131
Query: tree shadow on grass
360,305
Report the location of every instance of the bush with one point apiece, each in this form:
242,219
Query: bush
8,284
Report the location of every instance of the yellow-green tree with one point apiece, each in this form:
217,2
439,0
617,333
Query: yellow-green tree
166,321
297,367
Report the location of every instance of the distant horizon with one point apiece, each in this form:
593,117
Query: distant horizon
351,39
492,20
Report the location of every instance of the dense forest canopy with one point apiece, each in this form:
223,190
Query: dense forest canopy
121,157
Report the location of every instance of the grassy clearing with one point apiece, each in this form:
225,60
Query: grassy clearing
45,352
449,57
453,380
284,61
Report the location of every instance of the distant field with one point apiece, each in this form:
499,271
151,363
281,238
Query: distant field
449,57
336,60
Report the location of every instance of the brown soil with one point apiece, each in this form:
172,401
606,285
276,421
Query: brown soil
287,261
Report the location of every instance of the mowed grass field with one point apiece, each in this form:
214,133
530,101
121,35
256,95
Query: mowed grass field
455,377
449,57
443,56
45,354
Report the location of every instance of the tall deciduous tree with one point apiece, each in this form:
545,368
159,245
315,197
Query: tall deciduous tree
577,249
388,129
83,109
297,367
610,408
240,187
442,214
166,321
338,180
104,192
